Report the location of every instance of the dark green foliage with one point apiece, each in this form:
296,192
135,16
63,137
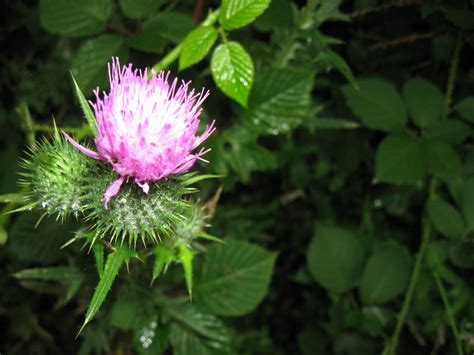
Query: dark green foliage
345,147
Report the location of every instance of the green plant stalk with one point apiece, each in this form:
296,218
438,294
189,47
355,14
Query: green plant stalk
426,231
452,76
176,51
449,312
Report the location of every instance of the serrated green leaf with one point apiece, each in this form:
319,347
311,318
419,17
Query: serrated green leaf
139,8
163,257
330,59
399,160
445,218
442,160
73,18
385,275
466,108
238,13
377,104
234,278
186,256
89,65
194,332
99,250
335,258
111,269
232,71
279,101
424,101
196,45
86,109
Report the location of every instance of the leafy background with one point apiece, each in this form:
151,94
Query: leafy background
347,206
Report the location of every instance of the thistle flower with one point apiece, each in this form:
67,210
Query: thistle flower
146,128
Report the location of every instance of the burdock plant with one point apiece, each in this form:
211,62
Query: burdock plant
134,186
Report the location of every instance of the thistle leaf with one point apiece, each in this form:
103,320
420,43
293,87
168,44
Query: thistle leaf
163,257
86,109
212,238
186,256
112,267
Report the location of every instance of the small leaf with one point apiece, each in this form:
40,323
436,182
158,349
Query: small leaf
377,104
442,160
86,109
399,160
196,45
466,108
234,278
186,256
163,257
279,101
89,63
210,237
335,258
330,59
445,218
424,101
386,275
112,267
72,18
232,70
333,123
238,13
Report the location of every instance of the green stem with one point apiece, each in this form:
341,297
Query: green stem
452,76
449,312
411,287
175,52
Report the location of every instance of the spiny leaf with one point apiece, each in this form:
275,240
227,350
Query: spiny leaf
112,266
98,250
212,238
86,109
163,257
186,256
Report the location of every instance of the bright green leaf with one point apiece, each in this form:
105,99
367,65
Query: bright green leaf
335,258
442,160
399,160
74,18
163,257
424,101
89,65
232,70
466,108
279,101
234,278
385,275
377,104
111,269
238,13
86,109
445,218
98,249
139,8
186,256
196,45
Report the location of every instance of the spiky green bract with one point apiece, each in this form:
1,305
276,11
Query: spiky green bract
62,181
53,173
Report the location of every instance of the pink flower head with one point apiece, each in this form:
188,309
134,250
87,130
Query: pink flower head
146,128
